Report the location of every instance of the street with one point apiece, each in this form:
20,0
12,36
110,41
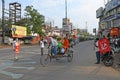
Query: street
28,66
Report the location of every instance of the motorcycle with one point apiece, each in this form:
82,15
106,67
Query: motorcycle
107,58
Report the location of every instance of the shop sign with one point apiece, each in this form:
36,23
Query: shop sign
112,4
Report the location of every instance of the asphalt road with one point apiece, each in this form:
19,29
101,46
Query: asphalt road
28,67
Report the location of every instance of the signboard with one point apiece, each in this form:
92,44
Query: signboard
94,30
103,25
112,4
99,12
19,31
114,31
66,21
66,28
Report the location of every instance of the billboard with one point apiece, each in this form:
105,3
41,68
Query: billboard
66,25
112,4
18,31
114,31
66,28
99,12
66,21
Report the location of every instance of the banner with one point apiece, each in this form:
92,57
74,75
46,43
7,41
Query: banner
104,45
114,31
19,31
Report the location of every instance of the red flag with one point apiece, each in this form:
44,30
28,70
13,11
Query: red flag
104,45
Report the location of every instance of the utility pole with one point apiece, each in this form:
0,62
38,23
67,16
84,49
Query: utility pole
3,25
66,9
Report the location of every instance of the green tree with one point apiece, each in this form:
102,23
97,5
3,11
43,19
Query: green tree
35,19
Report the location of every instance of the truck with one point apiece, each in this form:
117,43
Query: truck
15,32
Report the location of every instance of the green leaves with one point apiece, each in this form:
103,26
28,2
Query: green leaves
35,19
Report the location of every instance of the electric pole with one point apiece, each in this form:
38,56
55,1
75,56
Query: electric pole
66,9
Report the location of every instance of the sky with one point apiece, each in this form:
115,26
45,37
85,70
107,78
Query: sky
82,13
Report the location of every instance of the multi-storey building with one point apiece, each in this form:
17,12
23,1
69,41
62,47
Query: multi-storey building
109,16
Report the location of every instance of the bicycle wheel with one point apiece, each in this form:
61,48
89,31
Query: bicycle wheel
44,59
70,56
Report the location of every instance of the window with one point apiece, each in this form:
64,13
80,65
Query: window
118,9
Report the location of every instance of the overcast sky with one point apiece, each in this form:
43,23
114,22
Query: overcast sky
79,11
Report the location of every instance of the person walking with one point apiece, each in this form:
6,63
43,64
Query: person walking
97,51
16,48
42,46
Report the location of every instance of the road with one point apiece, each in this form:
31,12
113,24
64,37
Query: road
28,67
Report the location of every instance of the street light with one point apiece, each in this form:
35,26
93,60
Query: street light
3,32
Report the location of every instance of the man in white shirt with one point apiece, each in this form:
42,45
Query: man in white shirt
97,51
54,45
42,46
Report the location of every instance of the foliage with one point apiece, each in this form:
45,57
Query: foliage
34,19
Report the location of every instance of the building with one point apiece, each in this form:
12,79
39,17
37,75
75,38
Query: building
109,16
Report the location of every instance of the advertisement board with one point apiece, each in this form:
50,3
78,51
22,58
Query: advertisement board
19,31
114,31
66,21
99,12
66,28
112,4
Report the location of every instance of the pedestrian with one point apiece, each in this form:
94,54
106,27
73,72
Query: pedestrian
97,51
16,48
42,46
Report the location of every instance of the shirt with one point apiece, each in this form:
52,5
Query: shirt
53,42
66,43
41,44
96,46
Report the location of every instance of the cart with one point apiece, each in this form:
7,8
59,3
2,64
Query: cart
47,58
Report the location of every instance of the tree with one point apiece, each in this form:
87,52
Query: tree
35,19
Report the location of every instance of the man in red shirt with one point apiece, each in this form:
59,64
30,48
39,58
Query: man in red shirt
66,43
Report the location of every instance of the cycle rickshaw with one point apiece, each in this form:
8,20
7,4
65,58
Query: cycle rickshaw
46,58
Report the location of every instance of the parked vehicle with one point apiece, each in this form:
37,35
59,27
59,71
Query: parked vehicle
108,58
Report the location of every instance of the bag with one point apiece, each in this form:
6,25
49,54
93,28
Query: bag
62,50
